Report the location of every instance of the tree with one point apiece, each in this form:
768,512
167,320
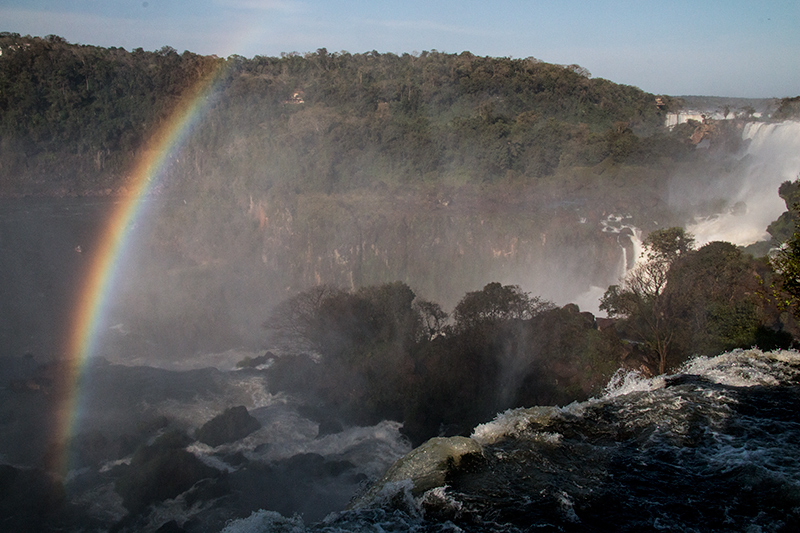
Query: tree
433,318
789,109
639,299
497,302
783,228
295,323
787,264
711,294
668,244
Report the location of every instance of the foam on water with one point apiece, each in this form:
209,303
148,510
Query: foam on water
747,368
261,521
513,423
772,157
371,448
247,390
721,432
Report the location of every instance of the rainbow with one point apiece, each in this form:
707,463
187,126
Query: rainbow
90,309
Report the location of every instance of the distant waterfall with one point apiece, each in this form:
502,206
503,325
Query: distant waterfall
629,238
772,157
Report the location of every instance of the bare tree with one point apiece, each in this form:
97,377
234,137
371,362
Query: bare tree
294,323
639,299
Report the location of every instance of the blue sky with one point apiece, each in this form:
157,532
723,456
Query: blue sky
708,47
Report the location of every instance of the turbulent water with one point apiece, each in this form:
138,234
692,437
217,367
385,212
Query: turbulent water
715,447
772,157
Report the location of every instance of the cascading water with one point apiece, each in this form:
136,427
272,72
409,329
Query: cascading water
711,448
629,238
772,157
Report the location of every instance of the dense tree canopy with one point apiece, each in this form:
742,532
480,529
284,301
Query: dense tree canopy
783,228
324,121
789,109
494,303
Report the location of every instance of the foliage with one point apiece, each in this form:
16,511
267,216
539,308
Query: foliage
79,116
639,300
666,245
295,323
433,318
783,228
786,262
789,109
380,352
76,114
713,295
496,302
682,302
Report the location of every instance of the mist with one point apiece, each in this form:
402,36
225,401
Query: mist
197,288
768,159
404,186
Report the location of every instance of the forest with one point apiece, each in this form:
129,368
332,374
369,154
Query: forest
295,145
74,117
380,352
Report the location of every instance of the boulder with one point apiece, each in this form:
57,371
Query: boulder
232,425
427,466
160,471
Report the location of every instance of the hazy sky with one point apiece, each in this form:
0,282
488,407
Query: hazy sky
745,48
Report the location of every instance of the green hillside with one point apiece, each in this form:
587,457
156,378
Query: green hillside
73,118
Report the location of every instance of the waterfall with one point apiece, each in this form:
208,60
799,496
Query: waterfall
629,238
772,157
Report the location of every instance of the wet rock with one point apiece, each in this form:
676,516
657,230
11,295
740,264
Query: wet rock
35,500
170,527
253,362
427,466
232,425
329,426
160,471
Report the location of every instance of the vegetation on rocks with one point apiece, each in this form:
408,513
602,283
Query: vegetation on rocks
75,118
444,154
379,352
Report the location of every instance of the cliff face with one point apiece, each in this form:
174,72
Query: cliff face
441,245
205,278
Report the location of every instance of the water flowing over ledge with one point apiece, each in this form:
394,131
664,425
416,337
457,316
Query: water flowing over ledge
714,446
772,157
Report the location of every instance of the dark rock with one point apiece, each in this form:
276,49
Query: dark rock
302,484
329,426
34,500
253,362
234,459
170,527
232,425
160,471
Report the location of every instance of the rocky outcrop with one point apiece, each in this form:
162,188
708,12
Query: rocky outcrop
160,471
232,425
427,466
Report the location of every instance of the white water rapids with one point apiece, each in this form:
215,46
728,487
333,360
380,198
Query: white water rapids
772,157
711,448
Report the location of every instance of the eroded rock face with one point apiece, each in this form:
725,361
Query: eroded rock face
427,466
232,425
